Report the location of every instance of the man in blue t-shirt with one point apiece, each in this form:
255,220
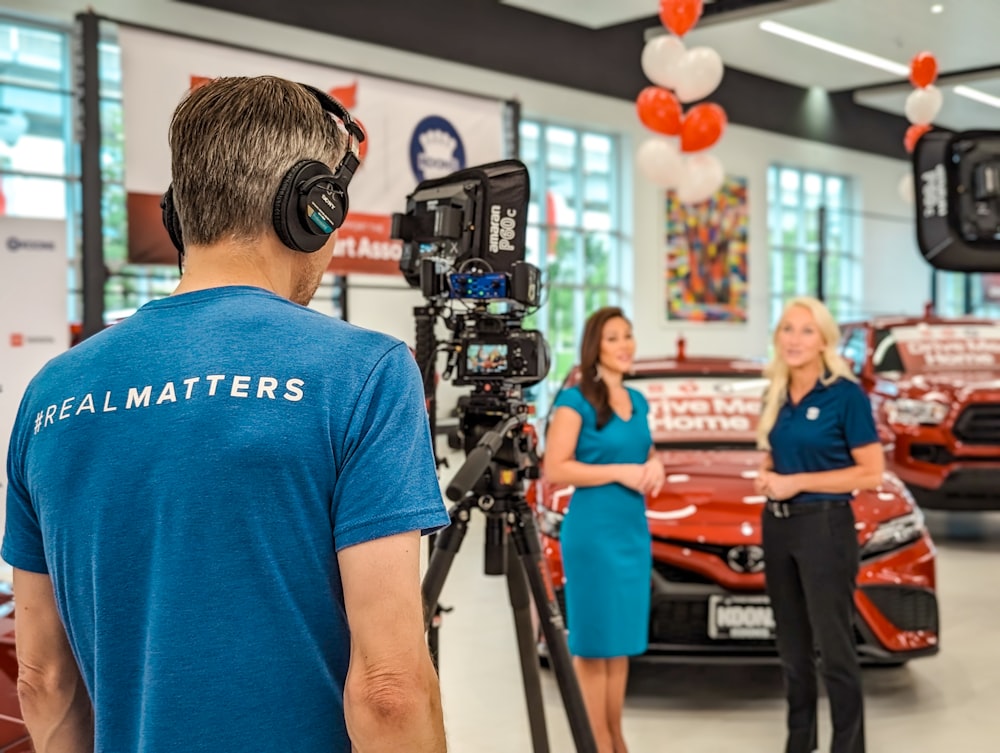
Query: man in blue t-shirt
215,506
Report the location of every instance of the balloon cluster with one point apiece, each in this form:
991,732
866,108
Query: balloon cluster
922,106
681,76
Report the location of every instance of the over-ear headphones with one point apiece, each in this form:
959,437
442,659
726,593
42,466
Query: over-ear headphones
311,201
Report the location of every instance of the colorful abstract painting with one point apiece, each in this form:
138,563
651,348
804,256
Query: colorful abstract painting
706,259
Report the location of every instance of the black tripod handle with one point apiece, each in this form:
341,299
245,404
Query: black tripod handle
478,459
470,472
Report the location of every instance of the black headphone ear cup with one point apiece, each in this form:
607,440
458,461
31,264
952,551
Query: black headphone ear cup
307,185
170,219
279,209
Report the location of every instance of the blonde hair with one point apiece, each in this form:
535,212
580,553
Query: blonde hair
777,371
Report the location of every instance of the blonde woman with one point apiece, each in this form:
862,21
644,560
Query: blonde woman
818,429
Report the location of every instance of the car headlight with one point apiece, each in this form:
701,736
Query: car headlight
913,412
895,533
549,521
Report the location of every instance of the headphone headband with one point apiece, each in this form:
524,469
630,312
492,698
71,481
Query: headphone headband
355,133
311,201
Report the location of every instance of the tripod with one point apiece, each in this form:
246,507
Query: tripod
495,488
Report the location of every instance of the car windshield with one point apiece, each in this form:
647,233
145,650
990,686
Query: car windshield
688,411
937,347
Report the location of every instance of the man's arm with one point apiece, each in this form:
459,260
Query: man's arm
54,701
392,700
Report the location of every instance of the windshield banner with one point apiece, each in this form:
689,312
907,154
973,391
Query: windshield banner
948,347
706,409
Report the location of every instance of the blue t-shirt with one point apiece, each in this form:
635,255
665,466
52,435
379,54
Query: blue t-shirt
819,432
186,478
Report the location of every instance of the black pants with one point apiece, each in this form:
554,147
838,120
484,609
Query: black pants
811,561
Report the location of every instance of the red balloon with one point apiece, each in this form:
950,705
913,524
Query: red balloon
680,16
923,69
913,134
702,126
659,110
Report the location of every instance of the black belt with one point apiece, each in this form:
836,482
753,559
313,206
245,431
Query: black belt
788,509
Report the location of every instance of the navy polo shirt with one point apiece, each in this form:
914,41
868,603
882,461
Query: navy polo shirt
819,432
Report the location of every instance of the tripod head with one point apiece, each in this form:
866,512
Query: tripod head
500,446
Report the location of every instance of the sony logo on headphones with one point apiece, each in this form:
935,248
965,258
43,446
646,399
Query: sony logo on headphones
329,202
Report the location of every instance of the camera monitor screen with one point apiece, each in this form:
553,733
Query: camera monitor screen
486,358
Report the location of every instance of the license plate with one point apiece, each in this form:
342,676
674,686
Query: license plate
740,618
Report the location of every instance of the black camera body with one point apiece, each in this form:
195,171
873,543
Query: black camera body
463,247
957,187
514,357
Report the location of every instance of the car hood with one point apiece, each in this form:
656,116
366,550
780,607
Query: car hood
948,385
709,497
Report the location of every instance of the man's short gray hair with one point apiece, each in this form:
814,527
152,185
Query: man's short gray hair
231,142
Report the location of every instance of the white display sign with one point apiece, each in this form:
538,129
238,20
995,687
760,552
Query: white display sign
414,132
34,324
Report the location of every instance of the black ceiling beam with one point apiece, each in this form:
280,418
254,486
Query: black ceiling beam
487,34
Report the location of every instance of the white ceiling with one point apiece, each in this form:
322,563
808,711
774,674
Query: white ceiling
593,13
964,36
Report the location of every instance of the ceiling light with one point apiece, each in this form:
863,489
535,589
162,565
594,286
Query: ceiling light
860,56
842,50
978,96
937,8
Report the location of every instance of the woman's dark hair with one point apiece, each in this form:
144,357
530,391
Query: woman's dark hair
594,389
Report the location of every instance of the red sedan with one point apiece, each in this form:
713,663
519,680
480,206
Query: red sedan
708,597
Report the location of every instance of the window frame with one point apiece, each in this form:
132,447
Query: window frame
794,266
571,295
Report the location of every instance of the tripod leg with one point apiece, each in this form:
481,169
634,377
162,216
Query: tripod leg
520,602
529,552
446,546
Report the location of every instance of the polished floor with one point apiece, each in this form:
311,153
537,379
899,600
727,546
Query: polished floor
949,703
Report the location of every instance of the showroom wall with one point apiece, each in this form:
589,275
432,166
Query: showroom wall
895,278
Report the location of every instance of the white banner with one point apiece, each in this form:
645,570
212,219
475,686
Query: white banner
702,409
34,324
414,133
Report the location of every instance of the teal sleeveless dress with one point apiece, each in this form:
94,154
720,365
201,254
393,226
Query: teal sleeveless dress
606,546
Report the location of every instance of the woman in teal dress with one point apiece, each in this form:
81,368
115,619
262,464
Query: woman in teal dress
599,441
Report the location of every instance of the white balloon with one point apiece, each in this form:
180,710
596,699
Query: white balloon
658,58
703,176
923,105
697,74
660,161
906,190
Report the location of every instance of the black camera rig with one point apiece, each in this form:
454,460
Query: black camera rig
463,247
957,187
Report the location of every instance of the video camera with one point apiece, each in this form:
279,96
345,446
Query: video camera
957,187
463,247
463,242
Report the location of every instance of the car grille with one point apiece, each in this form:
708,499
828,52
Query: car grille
685,623
979,424
906,608
676,574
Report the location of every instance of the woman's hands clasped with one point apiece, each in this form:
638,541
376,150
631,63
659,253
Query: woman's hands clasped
645,478
776,486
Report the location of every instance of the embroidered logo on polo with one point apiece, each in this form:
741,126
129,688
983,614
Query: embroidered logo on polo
812,413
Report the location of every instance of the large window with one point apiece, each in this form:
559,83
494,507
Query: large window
39,158
960,294
39,173
795,197
575,234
